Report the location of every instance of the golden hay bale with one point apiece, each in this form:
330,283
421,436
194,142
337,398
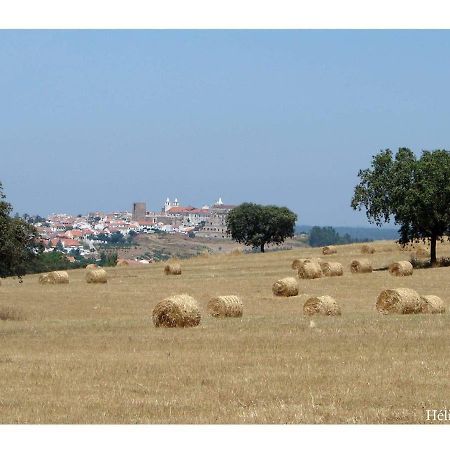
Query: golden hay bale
297,263
310,270
226,306
172,269
324,305
401,269
332,269
399,301
56,277
236,252
367,249
361,266
97,276
91,266
177,311
122,262
432,304
329,250
286,287
43,278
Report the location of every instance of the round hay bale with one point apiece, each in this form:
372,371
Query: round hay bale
367,249
43,278
297,263
329,250
122,262
332,269
432,304
177,311
286,287
324,305
361,266
310,270
56,277
91,266
97,276
399,301
401,269
226,306
172,269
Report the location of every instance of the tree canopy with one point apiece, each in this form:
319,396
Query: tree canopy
258,225
18,241
320,236
414,192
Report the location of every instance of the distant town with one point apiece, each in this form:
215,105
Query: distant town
83,235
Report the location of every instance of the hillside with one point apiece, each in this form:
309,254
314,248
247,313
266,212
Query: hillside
163,246
90,353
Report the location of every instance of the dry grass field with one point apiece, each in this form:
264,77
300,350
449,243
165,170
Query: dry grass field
86,353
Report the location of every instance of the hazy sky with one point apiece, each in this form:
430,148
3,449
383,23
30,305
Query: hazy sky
94,120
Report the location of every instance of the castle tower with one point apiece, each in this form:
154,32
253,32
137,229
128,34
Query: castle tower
167,205
139,210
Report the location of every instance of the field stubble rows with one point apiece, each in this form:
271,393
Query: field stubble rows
90,353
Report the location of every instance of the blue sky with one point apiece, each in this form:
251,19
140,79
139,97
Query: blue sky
94,120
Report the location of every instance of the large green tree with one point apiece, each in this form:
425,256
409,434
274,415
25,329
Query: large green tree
413,191
18,241
258,225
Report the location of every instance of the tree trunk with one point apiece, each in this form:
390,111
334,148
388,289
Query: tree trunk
433,250
262,248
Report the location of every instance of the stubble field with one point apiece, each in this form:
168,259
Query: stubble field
90,353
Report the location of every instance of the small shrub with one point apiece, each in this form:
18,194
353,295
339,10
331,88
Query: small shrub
426,264
11,313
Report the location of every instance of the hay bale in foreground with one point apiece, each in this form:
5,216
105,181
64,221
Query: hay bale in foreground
323,305
97,276
91,266
172,269
361,266
332,269
367,249
310,270
432,304
401,269
399,301
177,311
329,250
226,306
286,287
56,277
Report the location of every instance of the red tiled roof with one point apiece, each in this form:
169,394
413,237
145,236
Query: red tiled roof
199,211
180,209
70,243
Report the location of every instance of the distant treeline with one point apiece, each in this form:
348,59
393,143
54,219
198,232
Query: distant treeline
358,234
47,262
320,236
